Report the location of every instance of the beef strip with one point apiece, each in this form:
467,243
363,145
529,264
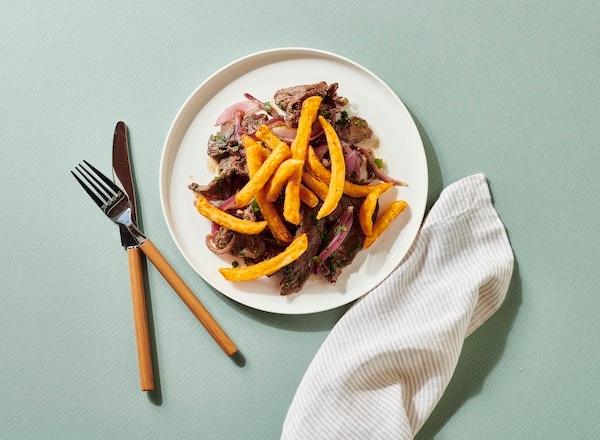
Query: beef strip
296,273
219,144
352,244
290,100
232,175
252,248
232,165
217,189
355,130
251,123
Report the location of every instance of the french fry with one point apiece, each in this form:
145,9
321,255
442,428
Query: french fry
228,221
367,209
269,266
384,220
269,138
338,170
308,197
274,221
249,141
308,116
280,178
319,187
314,164
262,175
291,201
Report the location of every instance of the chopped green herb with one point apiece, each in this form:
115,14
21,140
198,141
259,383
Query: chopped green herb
379,162
325,113
218,138
359,123
234,264
255,207
268,106
339,229
343,118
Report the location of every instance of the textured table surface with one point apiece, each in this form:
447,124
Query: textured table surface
509,89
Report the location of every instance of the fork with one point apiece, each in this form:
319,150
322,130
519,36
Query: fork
116,205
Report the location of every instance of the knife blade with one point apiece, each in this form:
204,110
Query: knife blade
123,178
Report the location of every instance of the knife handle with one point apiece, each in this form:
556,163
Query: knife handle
188,297
140,318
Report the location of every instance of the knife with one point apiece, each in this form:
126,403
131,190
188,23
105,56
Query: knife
123,178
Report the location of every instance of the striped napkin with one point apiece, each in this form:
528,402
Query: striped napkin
386,363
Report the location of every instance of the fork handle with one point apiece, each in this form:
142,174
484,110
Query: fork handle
140,318
188,297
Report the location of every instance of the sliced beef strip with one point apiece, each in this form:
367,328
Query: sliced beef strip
252,248
290,100
355,130
217,189
232,175
344,255
251,123
296,273
352,244
232,165
218,144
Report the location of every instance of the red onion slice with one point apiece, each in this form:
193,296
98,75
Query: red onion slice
285,133
210,244
379,173
239,131
229,113
228,204
288,134
270,109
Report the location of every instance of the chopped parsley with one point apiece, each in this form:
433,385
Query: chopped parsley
379,162
325,113
234,264
339,229
268,106
343,118
218,138
255,207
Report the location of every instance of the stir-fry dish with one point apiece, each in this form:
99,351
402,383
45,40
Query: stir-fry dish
296,188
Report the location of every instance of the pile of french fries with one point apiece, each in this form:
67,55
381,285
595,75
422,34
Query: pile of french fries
273,167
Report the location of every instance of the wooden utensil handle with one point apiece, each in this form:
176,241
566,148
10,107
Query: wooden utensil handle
189,298
140,318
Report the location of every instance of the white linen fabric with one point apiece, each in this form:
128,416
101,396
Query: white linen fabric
386,363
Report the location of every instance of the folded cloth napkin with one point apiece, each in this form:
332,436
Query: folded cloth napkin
386,363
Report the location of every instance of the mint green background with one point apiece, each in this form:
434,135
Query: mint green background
507,88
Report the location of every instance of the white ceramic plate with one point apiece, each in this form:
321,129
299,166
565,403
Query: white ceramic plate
184,160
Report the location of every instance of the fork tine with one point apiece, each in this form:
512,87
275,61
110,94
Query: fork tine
101,190
91,193
105,179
